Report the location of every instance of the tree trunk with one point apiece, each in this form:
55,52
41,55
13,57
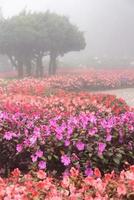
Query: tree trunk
39,67
50,67
13,61
37,71
20,69
28,68
18,63
52,64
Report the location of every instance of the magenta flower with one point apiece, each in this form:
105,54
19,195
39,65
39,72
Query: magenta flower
108,138
69,130
8,135
39,153
19,148
65,160
53,123
47,131
59,136
92,119
36,132
101,147
92,131
89,172
26,142
33,139
80,146
67,143
34,158
42,165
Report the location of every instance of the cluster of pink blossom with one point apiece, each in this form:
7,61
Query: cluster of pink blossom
37,185
63,103
86,140
90,79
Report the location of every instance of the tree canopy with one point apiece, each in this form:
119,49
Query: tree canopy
28,37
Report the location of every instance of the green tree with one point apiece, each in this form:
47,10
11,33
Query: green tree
16,41
63,37
28,37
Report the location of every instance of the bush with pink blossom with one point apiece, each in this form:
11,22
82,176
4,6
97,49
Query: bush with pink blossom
83,141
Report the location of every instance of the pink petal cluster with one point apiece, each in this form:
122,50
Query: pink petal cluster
71,187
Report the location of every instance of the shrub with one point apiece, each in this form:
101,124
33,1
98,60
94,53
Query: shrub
84,141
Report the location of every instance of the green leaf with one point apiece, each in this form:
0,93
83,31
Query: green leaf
49,157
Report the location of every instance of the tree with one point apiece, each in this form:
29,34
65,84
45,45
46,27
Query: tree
63,37
28,37
16,41
23,39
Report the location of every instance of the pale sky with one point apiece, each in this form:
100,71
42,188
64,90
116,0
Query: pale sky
108,24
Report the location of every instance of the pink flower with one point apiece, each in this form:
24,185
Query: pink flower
42,165
92,131
33,140
121,190
37,132
80,146
65,160
67,143
65,182
34,158
19,148
59,136
108,138
39,153
101,147
74,172
89,172
41,174
8,135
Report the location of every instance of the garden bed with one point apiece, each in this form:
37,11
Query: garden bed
56,144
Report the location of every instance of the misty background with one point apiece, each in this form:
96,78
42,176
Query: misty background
108,26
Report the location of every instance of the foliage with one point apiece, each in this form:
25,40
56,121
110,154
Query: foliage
65,136
28,37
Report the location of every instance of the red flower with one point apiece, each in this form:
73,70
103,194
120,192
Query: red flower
16,173
132,168
97,173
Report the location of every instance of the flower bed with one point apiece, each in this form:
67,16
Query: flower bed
62,103
49,129
87,80
73,186
84,141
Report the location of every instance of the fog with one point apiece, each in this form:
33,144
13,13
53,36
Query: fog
108,25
